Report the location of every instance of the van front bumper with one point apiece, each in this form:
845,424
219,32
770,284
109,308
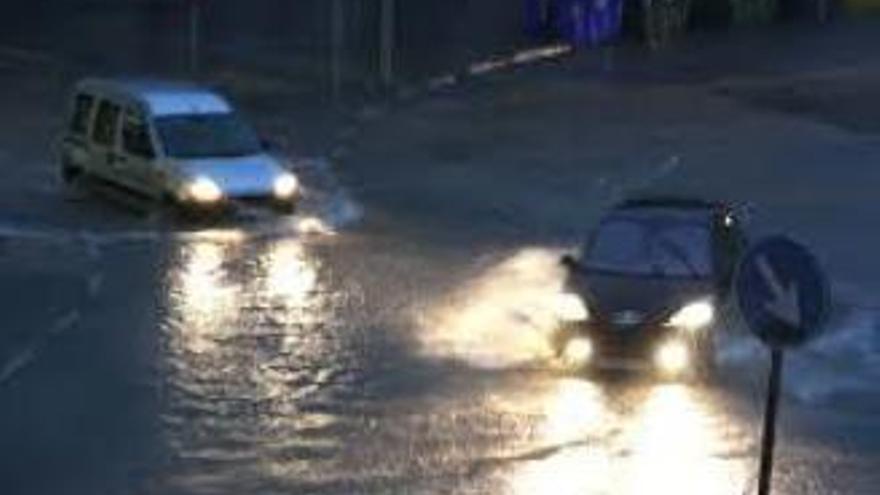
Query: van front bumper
229,204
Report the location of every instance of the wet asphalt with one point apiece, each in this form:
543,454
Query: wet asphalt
390,337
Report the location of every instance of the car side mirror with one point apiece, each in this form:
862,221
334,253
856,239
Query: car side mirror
569,262
744,213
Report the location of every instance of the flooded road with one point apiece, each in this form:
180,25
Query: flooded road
392,336
357,362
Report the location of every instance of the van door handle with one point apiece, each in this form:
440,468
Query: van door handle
114,158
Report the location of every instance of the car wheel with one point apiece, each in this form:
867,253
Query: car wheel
706,365
559,340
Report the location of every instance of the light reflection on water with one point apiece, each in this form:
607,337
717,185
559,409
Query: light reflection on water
574,414
675,447
249,346
668,441
202,297
258,366
575,411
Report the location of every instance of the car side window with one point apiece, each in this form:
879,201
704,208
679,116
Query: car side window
136,135
82,113
104,131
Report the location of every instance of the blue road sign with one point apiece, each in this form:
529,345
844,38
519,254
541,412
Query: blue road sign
782,292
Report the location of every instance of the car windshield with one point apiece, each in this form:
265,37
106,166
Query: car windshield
206,136
651,247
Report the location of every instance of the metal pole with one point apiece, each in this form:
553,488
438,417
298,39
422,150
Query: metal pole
768,442
194,15
822,11
386,57
337,33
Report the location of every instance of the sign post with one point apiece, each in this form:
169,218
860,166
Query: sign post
768,441
784,297
337,35
386,42
194,27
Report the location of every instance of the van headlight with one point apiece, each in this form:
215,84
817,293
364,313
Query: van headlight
578,351
570,308
286,185
204,190
694,316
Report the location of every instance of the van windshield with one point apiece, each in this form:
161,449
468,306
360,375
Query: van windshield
206,136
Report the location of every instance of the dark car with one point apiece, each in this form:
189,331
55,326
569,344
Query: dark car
649,287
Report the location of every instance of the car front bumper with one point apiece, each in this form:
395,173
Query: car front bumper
642,348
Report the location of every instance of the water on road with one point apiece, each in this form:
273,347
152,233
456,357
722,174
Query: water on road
391,336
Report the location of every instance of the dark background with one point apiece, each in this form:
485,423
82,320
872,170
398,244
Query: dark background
432,36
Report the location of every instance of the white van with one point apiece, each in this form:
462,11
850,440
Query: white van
171,141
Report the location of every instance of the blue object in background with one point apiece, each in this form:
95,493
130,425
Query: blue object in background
588,22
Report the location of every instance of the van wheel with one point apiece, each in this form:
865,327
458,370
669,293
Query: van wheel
285,208
70,173
165,208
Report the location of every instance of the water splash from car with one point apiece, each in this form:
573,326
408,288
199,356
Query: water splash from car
843,361
500,318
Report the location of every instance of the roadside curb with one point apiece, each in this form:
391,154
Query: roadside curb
399,96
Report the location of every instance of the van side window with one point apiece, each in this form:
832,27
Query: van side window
136,135
82,111
104,131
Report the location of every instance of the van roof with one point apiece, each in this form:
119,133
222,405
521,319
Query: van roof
160,97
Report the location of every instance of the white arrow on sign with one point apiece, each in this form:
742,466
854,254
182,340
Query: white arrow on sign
785,304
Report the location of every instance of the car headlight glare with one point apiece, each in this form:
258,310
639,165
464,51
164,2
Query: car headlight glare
285,186
204,190
578,351
571,308
672,357
694,316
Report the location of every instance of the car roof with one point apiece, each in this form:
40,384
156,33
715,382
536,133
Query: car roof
673,208
160,97
684,203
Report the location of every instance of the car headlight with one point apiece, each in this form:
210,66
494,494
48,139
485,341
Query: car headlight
571,308
285,186
694,316
204,190
672,357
